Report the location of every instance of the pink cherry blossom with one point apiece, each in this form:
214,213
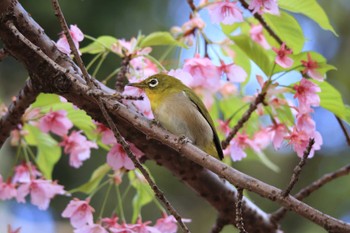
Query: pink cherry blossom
306,93
225,12
142,67
262,138
25,172
257,35
305,122
233,72
129,48
168,224
205,74
187,31
78,147
279,131
282,59
117,157
185,77
79,212
41,192
311,68
228,89
55,121
299,139
107,135
110,222
142,227
77,36
260,6
238,144
94,228
7,190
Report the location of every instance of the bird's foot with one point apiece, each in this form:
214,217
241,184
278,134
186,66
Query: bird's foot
183,139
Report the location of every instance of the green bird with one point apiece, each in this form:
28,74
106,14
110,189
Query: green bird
179,110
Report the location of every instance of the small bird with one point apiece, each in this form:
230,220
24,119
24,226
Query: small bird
179,110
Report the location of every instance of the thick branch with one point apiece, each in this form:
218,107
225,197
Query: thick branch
50,79
137,129
21,102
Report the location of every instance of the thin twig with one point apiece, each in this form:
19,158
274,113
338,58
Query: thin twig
239,212
305,192
191,4
342,126
159,194
297,169
262,22
121,79
64,26
252,107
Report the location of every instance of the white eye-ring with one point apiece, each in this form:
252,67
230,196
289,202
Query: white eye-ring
153,82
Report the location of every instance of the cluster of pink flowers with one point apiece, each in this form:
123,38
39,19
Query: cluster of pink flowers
228,12
75,144
27,180
117,157
297,136
80,214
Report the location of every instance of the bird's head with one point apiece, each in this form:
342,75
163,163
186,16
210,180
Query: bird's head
159,85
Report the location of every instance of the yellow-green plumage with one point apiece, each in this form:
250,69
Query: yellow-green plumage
181,111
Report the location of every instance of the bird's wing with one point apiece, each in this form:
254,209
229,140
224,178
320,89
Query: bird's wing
202,109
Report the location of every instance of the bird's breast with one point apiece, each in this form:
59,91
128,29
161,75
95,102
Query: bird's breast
179,115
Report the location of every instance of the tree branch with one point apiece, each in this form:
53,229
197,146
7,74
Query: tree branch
252,107
161,145
297,169
16,109
305,192
74,88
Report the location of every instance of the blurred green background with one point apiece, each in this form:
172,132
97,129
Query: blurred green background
124,19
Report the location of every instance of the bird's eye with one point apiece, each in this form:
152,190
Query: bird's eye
153,82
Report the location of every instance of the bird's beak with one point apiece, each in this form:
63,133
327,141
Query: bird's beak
138,85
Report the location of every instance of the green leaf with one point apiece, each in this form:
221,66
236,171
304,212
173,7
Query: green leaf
49,152
229,28
309,8
80,119
100,45
45,100
255,52
160,38
143,196
288,29
94,180
331,99
347,114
